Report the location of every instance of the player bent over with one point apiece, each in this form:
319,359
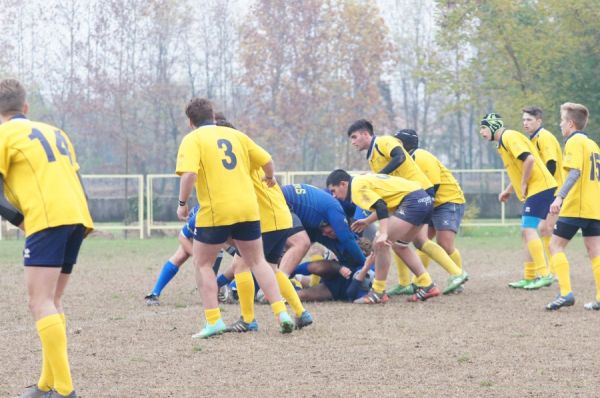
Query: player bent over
533,184
47,200
412,208
576,203
218,160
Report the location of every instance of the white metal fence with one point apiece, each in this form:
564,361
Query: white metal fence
132,203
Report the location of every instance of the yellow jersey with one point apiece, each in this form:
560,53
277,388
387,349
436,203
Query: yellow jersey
369,188
583,200
449,190
378,156
512,144
549,148
222,158
274,212
40,167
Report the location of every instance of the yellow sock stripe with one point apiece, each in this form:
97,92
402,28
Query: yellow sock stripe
212,315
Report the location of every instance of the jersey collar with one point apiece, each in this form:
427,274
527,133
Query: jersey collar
349,193
18,116
371,146
207,123
574,133
532,136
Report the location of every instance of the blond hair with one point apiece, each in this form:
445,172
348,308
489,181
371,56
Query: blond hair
12,97
577,113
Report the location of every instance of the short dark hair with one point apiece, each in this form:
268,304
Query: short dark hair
12,97
360,125
534,111
337,176
199,111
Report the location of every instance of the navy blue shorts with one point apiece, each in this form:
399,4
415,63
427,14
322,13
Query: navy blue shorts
249,230
567,227
296,225
338,285
54,247
447,217
538,205
416,208
274,244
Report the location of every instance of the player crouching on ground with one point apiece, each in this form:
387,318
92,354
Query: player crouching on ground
412,208
576,203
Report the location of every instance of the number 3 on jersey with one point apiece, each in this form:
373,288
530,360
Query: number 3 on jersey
230,160
61,144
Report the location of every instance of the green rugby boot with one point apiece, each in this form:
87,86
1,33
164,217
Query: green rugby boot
400,290
520,284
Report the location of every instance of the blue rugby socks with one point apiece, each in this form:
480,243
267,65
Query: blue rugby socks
169,270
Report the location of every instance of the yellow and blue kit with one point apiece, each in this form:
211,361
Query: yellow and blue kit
549,149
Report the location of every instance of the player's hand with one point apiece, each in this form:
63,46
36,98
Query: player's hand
182,212
504,196
359,225
381,241
524,189
271,182
345,272
555,206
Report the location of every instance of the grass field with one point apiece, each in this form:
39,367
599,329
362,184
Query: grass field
489,341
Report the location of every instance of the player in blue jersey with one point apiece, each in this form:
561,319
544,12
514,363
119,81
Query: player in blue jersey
183,252
325,222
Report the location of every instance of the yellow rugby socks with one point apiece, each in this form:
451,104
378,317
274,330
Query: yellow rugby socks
529,270
278,307
561,266
546,243
52,333
314,280
596,270
289,293
457,258
403,271
246,290
212,315
439,255
423,280
378,286
425,259
536,250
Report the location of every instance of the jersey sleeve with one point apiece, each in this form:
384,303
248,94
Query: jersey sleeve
188,156
573,158
548,149
515,145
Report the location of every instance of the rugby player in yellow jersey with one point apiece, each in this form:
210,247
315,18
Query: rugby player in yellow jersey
410,207
276,227
39,176
449,200
533,184
218,161
386,155
549,148
577,203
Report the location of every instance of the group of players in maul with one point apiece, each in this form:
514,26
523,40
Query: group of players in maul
298,242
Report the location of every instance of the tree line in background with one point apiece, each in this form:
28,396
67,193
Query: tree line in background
116,74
